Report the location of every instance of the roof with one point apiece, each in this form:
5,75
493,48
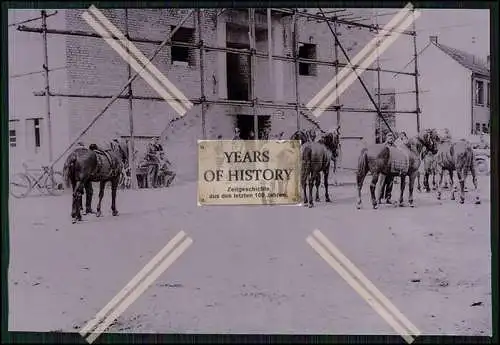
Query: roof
469,61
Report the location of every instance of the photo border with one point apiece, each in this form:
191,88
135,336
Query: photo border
76,338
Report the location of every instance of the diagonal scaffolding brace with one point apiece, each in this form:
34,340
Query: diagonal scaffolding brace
379,113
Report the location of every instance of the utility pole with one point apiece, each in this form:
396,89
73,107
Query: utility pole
47,85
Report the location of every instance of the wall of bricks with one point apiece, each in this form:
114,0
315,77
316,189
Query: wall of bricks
95,68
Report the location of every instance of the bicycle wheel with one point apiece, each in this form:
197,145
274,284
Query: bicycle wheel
55,184
20,185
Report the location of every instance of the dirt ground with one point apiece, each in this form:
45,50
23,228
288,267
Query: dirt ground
249,269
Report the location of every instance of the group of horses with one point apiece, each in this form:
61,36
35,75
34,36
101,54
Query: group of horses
427,147
85,165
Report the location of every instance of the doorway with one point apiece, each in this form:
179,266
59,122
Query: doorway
238,73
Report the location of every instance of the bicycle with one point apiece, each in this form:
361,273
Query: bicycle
50,181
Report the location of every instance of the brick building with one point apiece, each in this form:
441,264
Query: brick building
94,68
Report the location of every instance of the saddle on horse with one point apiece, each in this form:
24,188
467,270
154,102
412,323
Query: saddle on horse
399,161
106,164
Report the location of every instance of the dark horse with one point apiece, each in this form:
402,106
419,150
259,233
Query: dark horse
395,161
456,156
316,158
84,166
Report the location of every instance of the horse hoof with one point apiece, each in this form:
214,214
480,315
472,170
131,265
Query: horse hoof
115,213
412,205
73,221
427,190
477,202
462,201
328,200
358,207
419,190
401,204
98,214
375,206
310,205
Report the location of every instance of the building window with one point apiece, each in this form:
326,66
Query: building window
479,92
34,135
182,55
488,94
485,128
12,133
307,51
478,128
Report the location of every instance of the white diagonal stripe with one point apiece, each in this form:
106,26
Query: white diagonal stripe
140,289
133,283
359,289
127,57
388,28
364,65
367,283
140,56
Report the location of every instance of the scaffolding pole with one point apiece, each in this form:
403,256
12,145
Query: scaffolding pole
202,73
415,64
377,123
130,95
108,105
296,66
253,67
270,50
209,48
47,82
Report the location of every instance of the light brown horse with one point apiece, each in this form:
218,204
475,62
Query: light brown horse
395,161
456,156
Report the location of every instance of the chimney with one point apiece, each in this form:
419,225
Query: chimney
433,39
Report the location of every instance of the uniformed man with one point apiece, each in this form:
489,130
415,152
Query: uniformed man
388,180
236,134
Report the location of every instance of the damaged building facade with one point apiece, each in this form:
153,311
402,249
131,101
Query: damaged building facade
232,81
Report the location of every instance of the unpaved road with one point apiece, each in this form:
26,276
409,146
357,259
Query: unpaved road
250,269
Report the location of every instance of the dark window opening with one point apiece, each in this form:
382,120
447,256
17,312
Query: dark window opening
245,123
479,92
238,70
12,138
478,128
488,94
307,51
182,54
37,132
484,128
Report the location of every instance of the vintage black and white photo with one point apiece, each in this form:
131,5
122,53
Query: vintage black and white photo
391,108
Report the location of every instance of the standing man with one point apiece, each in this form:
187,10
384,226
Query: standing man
388,180
236,135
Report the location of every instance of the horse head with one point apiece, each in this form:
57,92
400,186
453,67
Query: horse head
429,140
120,148
300,136
331,140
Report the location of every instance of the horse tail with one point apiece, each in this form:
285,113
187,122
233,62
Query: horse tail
306,160
69,169
363,162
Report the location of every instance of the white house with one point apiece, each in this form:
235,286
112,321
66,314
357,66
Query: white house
455,90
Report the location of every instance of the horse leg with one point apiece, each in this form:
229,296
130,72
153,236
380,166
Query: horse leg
360,179
303,182
74,204
452,184
402,190
426,182
434,186
334,172
325,182
461,180
77,199
410,189
373,186
474,182
418,182
114,187
440,183
317,183
312,179
102,184
88,197
383,185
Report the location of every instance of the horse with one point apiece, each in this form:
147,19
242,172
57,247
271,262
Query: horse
395,161
456,156
84,166
316,158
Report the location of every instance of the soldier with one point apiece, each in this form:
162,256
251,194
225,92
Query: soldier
236,134
388,181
